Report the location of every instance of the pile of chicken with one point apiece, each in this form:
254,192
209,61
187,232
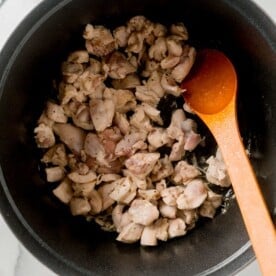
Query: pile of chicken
104,132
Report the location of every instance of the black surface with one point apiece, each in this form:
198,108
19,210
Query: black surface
29,63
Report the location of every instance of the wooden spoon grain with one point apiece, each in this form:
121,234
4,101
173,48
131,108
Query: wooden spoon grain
211,94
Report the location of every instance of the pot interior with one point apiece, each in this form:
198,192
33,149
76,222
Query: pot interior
31,61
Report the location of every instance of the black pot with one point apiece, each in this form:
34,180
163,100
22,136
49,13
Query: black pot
31,60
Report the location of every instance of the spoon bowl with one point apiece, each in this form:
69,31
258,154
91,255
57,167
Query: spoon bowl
211,90
219,82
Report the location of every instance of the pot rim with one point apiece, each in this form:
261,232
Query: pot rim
12,215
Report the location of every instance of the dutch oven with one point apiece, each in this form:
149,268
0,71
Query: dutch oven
31,60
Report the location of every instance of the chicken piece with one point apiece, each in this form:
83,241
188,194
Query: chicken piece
141,164
149,35
207,210
55,112
143,183
140,145
154,84
134,60
124,190
79,57
71,71
102,113
124,100
44,136
71,108
169,62
175,130
170,86
114,166
109,177
143,212
140,24
135,42
44,119
140,121
117,214
179,30
112,134
121,121
137,23
121,35
162,169
95,66
159,49
95,149
217,172
148,237
159,30
105,190
109,139
125,146
82,167
178,149
64,191
79,178
167,211
150,195
184,172
161,185
73,137
93,146
72,162
144,94
192,140
129,82
99,40
56,155
130,233
174,47
125,220
67,92
177,227
171,194
90,84
180,71
209,206
188,125
118,66
54,174
152,113
158,137
214,198
189,216
194,195
79,206
83,189
95,202
82,118
161,226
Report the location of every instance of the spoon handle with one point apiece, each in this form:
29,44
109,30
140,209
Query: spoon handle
251,202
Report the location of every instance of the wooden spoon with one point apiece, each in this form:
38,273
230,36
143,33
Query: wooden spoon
211,94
